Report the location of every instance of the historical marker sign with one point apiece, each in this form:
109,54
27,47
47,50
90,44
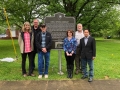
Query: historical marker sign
57,26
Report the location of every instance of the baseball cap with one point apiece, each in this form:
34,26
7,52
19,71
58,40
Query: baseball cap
43,25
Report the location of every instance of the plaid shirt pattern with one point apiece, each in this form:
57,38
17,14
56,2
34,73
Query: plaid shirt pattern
27,42
43,40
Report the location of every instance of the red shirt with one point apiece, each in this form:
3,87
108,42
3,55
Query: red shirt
27,42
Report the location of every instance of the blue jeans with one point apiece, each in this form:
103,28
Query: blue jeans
84,67
43,57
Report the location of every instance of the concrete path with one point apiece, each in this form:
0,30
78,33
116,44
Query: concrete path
61,85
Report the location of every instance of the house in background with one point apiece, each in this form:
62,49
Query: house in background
14,33
3,35
6,35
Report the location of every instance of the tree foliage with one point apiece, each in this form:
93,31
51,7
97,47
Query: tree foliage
95,15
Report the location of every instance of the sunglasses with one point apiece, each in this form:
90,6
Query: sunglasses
43,27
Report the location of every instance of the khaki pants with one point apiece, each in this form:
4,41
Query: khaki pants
77,59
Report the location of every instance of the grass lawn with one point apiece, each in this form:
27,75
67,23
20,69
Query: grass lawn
106,64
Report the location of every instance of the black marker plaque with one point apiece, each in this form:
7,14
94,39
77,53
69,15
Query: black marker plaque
57,26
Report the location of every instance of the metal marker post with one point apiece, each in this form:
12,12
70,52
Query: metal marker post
59,62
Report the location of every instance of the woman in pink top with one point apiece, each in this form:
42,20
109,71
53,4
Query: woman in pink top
25,41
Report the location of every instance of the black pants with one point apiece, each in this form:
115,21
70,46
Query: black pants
24,56
33,60
70,59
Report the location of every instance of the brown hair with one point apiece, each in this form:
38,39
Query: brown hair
71,31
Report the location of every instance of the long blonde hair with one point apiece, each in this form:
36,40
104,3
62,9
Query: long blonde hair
23,28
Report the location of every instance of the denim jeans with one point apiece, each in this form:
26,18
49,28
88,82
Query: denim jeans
43,57
84,67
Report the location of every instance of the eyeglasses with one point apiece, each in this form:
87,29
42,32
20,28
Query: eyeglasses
43,27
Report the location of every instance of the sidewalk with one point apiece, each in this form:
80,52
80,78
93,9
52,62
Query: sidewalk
61,85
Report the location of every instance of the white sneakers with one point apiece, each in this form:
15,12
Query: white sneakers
40,76
46,76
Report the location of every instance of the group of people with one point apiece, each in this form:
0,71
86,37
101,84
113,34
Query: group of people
82,49
36,39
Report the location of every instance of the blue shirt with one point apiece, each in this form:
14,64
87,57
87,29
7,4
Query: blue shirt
86,40
70,45
43,39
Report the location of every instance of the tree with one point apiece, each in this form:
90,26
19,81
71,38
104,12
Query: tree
24,10
93,14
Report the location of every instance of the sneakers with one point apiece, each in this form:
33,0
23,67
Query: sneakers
46,76
40,76
24,75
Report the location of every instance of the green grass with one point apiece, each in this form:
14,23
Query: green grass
107,62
